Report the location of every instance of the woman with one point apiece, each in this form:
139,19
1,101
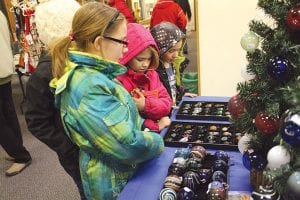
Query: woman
98,114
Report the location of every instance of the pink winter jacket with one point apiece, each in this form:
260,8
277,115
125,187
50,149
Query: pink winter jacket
158,103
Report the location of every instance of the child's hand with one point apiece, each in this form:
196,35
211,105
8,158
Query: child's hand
164,122
139,100
190,94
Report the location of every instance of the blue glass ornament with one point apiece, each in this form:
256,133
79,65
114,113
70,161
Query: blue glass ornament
290,128
185,194
246,160
280,68
257,161
221,155
253,160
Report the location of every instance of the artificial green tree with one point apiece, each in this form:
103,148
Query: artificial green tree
267,105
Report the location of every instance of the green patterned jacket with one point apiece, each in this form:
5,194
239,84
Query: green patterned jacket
101,118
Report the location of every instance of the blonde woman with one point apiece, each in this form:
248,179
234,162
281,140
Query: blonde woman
98,114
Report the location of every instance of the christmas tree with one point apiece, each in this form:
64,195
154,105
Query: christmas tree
267,106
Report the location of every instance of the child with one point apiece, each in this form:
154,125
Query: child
97,112
169,39
141,79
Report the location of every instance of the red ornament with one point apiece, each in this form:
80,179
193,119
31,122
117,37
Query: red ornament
236,107
266,124
293,17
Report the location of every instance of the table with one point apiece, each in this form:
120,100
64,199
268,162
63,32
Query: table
148,181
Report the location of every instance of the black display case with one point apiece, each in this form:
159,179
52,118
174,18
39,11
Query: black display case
209,135
203,110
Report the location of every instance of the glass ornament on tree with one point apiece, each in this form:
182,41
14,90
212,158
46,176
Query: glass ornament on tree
249,41
290,128
266,124
274,88
293,185
293,17
280,68
235,106
277,157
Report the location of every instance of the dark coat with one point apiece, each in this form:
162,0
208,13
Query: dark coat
164,79
185,5
42,117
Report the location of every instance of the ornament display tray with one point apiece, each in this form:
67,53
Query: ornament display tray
203,110
208,135
201,192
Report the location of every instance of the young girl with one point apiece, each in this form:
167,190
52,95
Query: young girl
141,79
169,38
97,112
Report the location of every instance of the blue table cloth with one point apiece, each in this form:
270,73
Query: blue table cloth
148,181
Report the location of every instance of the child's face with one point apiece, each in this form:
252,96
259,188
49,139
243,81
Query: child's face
172,53
141,62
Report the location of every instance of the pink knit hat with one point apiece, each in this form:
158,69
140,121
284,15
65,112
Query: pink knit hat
138,38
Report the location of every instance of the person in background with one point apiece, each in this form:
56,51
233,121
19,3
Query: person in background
122,6
185,5
142,81
98,114
10,133
168,38
53,19
168,11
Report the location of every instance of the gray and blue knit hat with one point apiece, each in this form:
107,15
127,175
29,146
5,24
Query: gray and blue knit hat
166,35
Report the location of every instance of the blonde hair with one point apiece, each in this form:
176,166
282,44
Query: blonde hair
91,20
155,57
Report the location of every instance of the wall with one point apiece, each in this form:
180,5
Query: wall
221,24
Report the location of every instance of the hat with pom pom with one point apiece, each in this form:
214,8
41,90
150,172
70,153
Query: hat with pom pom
54,18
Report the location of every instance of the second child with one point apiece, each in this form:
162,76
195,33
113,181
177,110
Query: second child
169,39
142,81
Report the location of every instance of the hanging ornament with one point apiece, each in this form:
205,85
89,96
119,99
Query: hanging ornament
245,75
293,185
278,156
243,143
236,106
266,124
249,41
246,160
293,18
254,160
280,68
290,128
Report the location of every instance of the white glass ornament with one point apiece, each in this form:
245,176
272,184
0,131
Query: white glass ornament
278,156
249,41
246,76
244,143
294,184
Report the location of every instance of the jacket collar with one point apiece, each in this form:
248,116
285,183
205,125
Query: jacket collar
109,68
